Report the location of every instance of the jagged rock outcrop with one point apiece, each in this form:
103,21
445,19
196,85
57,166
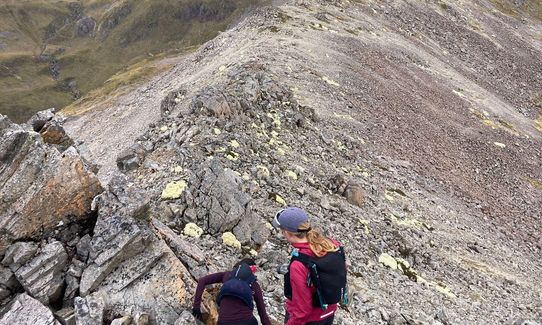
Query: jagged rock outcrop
117,237
127,263
40,186
25,310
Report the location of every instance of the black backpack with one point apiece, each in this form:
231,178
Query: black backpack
239,285
326,273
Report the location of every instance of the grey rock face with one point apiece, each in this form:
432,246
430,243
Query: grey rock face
25,310
116,236
8,283
18,254
121,198
215,199
117,243
42,277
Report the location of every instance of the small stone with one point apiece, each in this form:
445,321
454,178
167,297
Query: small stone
387,260
331,82
500,145
263,172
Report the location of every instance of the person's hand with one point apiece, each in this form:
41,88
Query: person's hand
197,314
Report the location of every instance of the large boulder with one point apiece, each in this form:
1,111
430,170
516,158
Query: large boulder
25,310
40,187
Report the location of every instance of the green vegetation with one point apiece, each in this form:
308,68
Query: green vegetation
532,8
41,37
536,184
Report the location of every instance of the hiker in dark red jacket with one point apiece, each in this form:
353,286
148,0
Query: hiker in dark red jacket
294,225
234,309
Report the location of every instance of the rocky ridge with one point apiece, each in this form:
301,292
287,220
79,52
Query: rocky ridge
432,189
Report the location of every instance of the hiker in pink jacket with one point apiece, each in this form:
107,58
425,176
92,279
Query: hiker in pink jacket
309,303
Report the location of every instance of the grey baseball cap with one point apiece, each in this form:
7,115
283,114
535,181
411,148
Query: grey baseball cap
290,219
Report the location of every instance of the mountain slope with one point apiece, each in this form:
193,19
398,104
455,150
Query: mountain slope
430,107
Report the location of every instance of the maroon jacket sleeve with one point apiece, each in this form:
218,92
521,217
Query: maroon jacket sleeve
258,297
204,281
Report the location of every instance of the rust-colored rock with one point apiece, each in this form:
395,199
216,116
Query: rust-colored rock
354,194
53,133
39,186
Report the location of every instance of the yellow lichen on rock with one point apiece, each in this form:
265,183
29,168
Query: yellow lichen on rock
234,143
192,230
291,174
177,169
445,290
233,156
365,224
330,81
280,200
173,190
229,239
387,260
276,119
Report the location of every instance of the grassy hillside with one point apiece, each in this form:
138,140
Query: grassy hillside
54,52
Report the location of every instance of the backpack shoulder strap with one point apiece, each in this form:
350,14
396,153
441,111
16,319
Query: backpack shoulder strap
303,258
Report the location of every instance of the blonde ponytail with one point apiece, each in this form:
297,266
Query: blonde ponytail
319,244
